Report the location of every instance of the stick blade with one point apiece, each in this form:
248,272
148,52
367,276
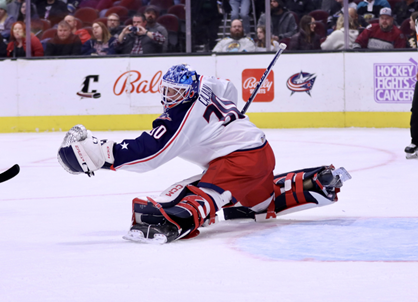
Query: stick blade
12,172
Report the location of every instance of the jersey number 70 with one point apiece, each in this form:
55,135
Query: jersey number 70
226,111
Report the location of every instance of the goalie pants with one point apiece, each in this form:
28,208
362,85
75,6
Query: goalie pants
247,174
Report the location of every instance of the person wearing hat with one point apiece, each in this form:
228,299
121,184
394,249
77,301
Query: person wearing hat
6,21
382,35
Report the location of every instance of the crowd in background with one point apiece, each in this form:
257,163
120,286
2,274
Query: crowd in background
135,27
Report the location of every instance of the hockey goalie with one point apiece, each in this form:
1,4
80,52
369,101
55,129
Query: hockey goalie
201,124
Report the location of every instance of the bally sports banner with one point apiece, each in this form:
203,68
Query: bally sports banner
323,82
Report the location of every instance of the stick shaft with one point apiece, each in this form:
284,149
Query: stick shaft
266,73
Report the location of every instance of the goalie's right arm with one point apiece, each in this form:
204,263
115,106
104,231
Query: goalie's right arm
81,152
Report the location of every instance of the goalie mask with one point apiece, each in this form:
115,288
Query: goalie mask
180,84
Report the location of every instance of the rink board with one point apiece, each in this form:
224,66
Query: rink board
303,90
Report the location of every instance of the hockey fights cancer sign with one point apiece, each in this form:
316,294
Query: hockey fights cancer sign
394,82
250,78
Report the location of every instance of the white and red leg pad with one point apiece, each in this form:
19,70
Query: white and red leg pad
187,215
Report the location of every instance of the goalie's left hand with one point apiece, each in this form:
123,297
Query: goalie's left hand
81,152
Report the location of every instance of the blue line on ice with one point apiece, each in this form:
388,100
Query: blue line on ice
364,239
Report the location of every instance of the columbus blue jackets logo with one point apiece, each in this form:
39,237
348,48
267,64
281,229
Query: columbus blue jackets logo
301,82
164,116
85,90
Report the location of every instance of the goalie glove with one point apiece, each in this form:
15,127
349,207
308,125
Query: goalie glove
81,152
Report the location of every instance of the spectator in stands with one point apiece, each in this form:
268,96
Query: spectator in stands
22,12
53,10
15,7
336,40
65,43
205,22
261,40
412,39
404,9
300,7
306,38
113,24
6,20
17,45
237,42
283,23
82,33
336,10
137,39
370,9
359,21
151,14
102,42
241,8
382,35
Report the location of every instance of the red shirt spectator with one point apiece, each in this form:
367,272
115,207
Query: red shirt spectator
383,35
17,44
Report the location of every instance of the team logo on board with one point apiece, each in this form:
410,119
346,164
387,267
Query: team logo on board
301,82
250,79
394,83
86,91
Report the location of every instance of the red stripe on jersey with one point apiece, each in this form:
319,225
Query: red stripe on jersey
168,144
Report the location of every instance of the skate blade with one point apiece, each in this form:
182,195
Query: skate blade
412,155
138,236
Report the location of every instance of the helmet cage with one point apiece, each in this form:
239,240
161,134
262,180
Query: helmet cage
185,83
181,93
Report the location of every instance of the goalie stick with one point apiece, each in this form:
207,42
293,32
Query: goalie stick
12,172
282,47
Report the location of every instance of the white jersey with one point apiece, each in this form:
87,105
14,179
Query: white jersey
195,131
231,45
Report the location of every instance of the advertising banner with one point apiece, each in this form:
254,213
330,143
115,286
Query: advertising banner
380,81
328,82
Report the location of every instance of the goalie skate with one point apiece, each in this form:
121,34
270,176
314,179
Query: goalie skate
151,233
411,151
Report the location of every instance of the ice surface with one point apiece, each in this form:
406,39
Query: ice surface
61,234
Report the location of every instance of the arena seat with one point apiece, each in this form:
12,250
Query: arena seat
131,5
104,4
87,15
163,5
49,33
406,28
103,20
46,24
179,10
121,11
320,15
128,21
171,23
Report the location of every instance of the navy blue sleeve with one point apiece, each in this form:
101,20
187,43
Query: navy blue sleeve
147,149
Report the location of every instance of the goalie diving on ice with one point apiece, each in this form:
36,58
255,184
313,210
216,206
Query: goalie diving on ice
202,124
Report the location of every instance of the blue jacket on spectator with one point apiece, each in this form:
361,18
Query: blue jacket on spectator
93,46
